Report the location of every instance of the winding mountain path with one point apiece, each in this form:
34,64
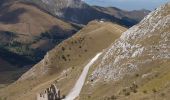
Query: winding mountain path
80,82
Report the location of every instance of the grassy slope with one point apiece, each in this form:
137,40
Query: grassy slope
34,31
72,54
152,83
21,29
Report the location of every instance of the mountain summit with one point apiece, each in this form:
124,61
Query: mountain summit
57,7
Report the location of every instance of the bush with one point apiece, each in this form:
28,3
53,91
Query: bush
135,91
79,55
154,90
137,75
145,91
127,93
63,48
162,94
113,97
45,35
124,90
133,88
64,58
68,55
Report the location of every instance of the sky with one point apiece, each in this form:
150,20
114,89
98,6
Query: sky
128,4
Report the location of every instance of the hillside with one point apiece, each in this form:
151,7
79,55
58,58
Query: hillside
12,66
136,66
25,26
26,34
64,63
77,11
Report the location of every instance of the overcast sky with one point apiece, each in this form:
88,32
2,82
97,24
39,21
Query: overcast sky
129,4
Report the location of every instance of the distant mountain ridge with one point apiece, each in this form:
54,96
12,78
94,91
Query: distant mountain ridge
77,11
137,15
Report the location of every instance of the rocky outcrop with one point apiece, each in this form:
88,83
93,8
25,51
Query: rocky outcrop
145,43
51,93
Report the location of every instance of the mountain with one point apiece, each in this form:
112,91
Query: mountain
77,11
28,27
64,63
26,34
136,66
137,15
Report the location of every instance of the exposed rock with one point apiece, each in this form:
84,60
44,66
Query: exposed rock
51,93
145,43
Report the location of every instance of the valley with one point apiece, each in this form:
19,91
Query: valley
70,50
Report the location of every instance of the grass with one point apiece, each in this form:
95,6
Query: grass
92,39
160,81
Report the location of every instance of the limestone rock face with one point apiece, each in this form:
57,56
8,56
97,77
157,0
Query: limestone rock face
144,44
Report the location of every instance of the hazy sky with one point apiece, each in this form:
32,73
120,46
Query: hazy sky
129,4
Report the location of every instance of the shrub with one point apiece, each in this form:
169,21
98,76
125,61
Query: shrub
45,35
64,58
113,97
63,48
79,55
135,91
145,91
127,93
68,55
134,87
154,90
137,75
124,90
162,94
